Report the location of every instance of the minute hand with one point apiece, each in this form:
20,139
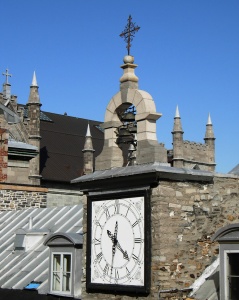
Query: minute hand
117,244
125,254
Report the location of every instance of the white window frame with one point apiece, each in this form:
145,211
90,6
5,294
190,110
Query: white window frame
226,270
61,292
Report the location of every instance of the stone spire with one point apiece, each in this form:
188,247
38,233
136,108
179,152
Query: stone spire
210,142
209,129
88,153
34,95
34,130
177,141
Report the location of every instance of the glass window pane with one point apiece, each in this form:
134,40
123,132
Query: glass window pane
56,262
66,272
66,285
66,263
233,275
56,286
233,288
233,263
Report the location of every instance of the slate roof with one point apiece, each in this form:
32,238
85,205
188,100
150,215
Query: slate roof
63,139
235,170
19,267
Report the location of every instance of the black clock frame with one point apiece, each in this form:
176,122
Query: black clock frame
117,288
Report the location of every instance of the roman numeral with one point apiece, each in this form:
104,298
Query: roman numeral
135,258
117,207
96,242
116,276
99,256
106,269
136,222
127,211
98,223
138,240
106,211
127,273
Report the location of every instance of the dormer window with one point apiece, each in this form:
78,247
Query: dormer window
228,239
65,268
61,277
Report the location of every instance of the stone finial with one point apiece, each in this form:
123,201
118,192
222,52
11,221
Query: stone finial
88,141
34,95
129,79
88,134
209,121
209,129
34,79
177,122
177,115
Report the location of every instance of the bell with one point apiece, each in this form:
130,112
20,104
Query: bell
128,117
132,129
124,132
131,148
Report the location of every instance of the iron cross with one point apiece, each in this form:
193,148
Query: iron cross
7,75
129,32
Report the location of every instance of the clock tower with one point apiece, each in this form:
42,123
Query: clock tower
118,205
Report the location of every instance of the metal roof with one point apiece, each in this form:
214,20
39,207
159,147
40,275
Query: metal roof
18,268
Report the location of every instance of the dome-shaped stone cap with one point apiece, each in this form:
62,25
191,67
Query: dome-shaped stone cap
128,59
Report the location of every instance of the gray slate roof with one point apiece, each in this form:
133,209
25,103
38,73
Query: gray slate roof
19,267
235,170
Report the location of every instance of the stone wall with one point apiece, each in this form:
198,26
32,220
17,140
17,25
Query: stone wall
63,197
184,216
22,197
18,171
3,154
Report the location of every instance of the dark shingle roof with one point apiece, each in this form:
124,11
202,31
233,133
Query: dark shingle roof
62,142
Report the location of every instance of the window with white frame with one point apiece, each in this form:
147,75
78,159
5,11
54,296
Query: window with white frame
61,276
228,239
65,267
232,275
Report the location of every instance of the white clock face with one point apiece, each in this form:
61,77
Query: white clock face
117,245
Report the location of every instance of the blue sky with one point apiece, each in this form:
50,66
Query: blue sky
187,52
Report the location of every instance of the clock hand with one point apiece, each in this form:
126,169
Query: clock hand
118,246
114,241
125,254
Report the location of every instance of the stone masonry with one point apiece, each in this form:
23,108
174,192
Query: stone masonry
22,197
3,154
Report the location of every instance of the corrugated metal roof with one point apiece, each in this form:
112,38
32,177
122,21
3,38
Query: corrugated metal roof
18,268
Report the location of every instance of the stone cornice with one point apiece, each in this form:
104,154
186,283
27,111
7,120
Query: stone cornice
147,174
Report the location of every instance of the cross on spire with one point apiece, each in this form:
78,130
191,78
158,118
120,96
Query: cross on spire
129,32
7,75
